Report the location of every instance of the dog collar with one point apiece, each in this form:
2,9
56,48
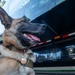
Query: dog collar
26,62
16,50
29,63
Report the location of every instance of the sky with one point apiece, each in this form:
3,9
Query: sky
12,6
1,28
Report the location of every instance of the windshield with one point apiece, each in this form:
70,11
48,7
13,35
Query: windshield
29,8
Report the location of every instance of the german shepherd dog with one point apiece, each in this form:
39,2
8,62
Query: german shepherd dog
20,34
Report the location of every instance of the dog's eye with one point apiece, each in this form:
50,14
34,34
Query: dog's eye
23,21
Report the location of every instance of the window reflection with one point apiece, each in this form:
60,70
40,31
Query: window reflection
48,55
71,51
56,52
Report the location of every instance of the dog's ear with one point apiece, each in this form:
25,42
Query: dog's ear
6,20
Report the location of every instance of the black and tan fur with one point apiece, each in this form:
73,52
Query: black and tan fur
13,36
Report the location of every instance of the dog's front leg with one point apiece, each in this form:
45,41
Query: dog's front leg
31,56
27,70
31,72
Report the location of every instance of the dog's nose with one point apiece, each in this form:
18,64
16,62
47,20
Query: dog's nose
44,26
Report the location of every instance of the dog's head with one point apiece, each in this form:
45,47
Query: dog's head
20,32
